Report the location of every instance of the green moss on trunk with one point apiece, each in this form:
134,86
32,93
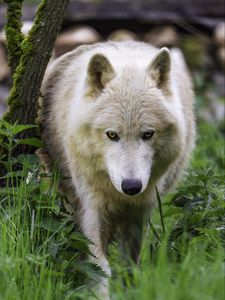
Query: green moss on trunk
36,51
14,35
29,49
15,100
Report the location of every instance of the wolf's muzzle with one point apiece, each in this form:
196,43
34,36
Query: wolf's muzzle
131,186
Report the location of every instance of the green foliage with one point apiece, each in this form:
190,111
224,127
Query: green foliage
203,209
9,141
195,51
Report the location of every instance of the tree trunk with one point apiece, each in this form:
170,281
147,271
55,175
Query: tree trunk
36,52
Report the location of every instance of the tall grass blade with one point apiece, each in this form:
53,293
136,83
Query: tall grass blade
160,210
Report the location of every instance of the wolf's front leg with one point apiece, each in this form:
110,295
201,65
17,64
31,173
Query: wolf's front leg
132,233
92,227
131,239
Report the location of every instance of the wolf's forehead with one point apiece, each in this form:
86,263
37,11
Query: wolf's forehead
127,117
131,106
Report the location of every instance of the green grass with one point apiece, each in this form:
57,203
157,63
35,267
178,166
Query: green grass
40,251
197,277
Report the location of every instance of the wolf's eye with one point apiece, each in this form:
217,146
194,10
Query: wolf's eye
112,136
148,135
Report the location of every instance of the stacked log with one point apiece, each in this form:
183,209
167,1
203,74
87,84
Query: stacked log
74,37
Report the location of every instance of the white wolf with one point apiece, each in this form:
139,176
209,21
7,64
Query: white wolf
118,120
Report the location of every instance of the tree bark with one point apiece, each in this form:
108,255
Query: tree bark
27,79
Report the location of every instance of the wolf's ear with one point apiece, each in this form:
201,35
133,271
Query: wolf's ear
100,72
159,68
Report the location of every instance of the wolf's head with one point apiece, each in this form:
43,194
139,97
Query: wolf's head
130,129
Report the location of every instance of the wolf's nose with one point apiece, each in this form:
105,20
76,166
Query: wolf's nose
131,186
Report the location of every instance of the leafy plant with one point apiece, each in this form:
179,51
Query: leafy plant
31,211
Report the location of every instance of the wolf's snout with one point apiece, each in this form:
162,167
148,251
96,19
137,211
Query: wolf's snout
131,186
